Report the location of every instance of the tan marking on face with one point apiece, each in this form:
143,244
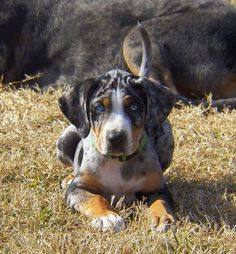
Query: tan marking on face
136,136
161,213
96,206
136,131
106,102
98,137
96,132
127,100
116,121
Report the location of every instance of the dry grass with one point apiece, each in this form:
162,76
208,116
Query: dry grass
33,215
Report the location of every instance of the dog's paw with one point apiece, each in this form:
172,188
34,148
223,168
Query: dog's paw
112,222
163,223
66,181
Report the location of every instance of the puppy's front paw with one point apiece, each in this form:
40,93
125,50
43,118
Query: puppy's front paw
111,222
163,223
67,181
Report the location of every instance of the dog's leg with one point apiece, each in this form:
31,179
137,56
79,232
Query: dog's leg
67,180
95,206
161,206
67,144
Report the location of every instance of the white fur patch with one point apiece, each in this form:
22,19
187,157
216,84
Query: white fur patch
164,227
110,177
111,222
117,121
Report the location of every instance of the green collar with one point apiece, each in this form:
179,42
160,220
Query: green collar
125,157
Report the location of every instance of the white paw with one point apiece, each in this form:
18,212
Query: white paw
164,227
111,222
163,224
67,181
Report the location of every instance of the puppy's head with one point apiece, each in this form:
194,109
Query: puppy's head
115,109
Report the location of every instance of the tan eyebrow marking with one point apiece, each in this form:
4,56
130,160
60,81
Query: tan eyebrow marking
127,100
106,102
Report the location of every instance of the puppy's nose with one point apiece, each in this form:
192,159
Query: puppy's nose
116,138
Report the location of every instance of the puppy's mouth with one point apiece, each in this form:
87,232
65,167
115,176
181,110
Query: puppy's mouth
116,151
117,145
120,149
113,150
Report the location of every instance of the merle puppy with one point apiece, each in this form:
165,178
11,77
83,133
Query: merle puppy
119,143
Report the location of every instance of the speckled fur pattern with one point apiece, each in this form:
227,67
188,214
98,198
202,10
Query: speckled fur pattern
69,41
98,176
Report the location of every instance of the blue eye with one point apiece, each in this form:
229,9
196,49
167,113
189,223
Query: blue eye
100,108
134,107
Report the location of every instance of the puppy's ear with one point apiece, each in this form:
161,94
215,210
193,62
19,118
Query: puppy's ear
160,101
74,104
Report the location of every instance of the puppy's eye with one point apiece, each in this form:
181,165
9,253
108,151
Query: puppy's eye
133,107
100,108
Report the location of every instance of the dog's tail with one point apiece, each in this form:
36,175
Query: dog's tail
145,69
147,52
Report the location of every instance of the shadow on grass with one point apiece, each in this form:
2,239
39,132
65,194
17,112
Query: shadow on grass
204,202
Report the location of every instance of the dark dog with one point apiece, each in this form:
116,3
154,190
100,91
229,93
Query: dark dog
68,41
196,57
119,143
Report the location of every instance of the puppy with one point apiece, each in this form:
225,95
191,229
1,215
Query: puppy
123,142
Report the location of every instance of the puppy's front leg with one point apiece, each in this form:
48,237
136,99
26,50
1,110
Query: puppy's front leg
96,206
161,206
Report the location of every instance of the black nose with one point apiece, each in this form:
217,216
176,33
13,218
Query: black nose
116,138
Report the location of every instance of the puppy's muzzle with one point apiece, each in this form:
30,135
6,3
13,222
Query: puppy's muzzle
116,141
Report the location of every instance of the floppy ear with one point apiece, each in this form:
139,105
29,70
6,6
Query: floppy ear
160,101
74,104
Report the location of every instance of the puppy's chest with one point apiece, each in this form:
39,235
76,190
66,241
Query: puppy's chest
113,177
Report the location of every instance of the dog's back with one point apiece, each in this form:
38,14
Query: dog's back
69,41
65,39
196,57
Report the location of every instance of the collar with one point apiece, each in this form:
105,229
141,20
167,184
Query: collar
124,157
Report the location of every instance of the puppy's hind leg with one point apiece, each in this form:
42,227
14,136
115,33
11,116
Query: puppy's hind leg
67,144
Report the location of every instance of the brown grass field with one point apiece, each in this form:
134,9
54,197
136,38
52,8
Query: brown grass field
35,219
